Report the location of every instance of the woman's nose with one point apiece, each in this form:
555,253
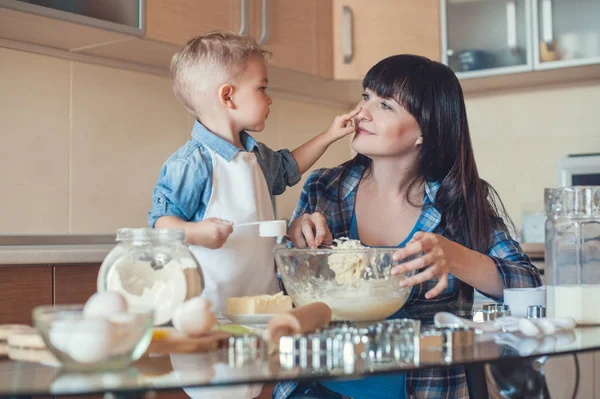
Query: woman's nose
364,113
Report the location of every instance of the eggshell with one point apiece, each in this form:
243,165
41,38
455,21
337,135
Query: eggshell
91,341
103,304
193,317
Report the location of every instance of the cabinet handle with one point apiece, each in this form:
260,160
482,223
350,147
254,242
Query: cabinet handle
244,18
347,35
547,23
511,26
264,36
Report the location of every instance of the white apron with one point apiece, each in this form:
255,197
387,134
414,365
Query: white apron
245,264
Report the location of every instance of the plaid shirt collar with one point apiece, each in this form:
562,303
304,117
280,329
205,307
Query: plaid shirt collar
352,180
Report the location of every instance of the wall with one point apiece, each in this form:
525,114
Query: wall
517,138
81,145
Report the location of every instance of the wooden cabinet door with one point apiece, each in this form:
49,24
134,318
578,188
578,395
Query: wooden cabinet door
381,28
74,284
177,21
299,33
22,288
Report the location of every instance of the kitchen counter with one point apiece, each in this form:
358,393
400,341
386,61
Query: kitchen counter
54,249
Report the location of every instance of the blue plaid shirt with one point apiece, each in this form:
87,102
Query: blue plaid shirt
321,193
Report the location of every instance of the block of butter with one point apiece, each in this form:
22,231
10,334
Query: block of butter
261,304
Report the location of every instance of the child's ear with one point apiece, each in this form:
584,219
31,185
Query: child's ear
226,95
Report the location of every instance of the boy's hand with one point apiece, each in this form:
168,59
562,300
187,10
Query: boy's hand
342,125
210,233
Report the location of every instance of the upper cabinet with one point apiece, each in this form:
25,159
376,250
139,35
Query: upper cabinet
299,33
566,33
176,21
493,37
365,32
483,37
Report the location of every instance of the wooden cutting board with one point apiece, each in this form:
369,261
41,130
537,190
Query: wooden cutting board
167,340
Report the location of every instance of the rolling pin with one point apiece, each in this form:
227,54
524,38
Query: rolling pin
298,321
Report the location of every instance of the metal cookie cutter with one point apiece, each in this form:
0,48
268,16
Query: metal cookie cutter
494,311
246,348
536,311
446,344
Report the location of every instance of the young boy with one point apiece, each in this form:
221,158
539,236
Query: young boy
222,177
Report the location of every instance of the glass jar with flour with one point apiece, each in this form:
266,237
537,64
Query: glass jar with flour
152,267
572,249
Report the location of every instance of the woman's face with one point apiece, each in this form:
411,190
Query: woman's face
384,128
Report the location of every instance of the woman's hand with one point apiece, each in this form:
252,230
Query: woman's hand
309,230
435,253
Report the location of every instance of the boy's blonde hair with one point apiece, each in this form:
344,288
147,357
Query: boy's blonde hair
206,62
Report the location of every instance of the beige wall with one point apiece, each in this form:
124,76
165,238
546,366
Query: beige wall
517,138
81,145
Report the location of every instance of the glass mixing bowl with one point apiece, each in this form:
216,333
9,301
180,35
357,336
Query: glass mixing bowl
94,344
356,284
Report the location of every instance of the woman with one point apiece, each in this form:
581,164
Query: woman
414,184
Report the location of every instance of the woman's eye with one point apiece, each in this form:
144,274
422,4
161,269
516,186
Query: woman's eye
263,88
385,106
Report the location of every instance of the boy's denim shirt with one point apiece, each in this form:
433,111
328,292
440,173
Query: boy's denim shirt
185,181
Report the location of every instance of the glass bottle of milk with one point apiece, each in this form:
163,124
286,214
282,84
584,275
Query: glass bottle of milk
573,253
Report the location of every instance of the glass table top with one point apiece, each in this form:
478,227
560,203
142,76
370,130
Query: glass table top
221,368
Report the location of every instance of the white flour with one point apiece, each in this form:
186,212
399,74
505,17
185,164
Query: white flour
162,289
577,301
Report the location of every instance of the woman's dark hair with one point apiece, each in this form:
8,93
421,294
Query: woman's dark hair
431,93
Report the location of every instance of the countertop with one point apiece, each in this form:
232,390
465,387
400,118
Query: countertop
54,249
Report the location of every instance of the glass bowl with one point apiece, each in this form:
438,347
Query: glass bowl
94,344
356,284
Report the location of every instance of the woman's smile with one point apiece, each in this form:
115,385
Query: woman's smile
362,131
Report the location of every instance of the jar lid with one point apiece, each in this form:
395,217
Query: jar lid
144,235
577,201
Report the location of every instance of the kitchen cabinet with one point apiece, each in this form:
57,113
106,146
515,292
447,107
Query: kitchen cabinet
566,33
176,21
299,33
74,284
22,288
482,38
366,32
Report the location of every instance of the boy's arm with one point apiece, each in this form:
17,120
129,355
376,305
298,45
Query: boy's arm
209,233
308,153
177,198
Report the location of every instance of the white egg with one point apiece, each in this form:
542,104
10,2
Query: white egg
103,304
193,317
91,341
60,334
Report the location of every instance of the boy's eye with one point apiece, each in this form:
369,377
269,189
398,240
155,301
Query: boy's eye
365,96
385,105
